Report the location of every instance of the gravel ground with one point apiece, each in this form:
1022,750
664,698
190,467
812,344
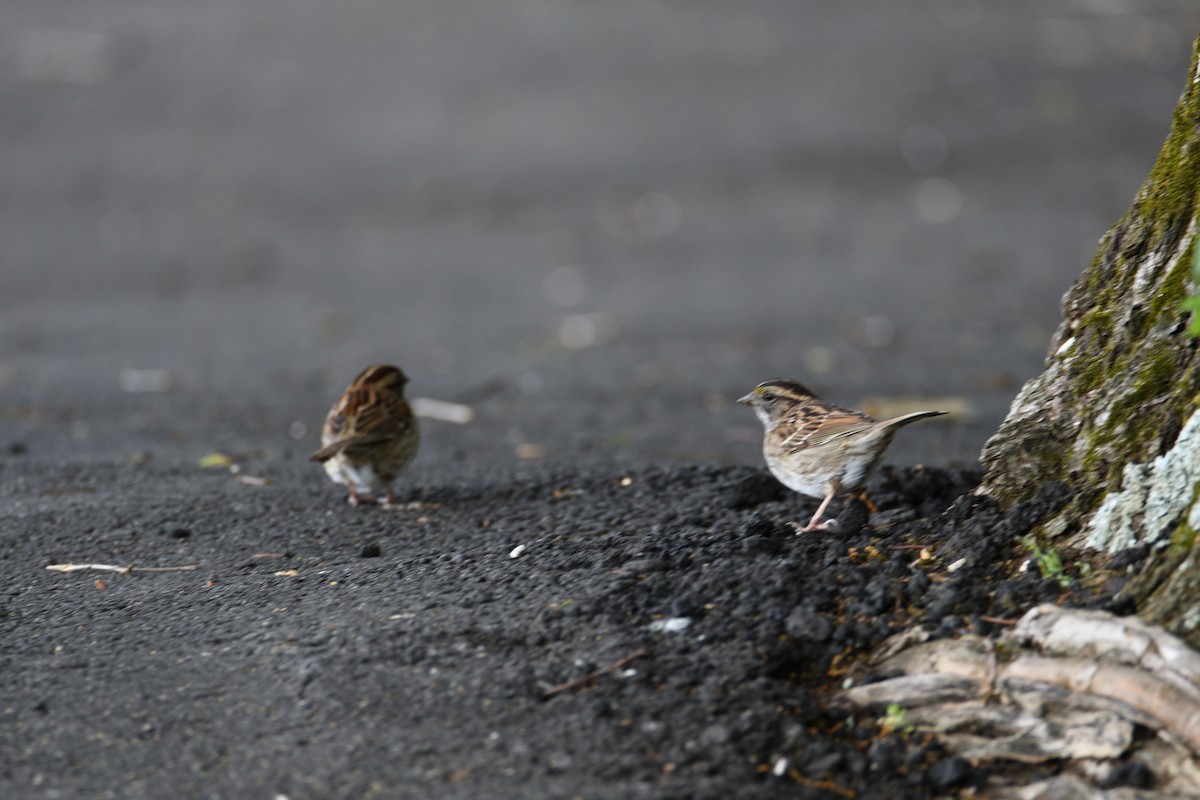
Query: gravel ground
323,650
597,225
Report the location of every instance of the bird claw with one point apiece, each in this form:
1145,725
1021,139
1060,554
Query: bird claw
813,526
356,499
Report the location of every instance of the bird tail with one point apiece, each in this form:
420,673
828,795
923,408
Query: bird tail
350,443
328,451
905,419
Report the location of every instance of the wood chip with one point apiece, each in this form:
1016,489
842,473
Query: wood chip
253,480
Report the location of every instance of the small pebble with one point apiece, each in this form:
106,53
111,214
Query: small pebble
918,585
825,765
885,753
682,607
808,625
715,736
949,773
670,625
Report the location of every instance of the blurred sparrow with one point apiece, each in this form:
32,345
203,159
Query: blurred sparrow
816,448
370,434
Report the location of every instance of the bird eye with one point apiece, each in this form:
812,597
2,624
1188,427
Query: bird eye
768,396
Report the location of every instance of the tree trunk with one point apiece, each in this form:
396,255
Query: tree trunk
1115,413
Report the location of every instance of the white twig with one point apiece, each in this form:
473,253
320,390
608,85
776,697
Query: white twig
126,570
443,410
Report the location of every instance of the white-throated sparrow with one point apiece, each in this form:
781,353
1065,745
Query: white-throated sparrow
816,448
370,434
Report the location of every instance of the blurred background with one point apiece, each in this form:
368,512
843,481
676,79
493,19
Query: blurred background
596,223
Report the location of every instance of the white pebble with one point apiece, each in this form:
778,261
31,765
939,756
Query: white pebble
670,624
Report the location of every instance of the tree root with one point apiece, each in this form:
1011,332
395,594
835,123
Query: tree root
1064,684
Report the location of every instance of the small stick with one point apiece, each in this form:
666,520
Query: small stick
997,620
811,783
182,568
443,410
126,570
591,676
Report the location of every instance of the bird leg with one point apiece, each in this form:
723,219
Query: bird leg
357,499
813,524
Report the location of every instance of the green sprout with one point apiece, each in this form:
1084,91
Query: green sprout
1049,562
895,720
1192,303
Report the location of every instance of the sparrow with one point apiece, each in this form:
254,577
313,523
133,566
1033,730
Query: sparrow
370,434
819,449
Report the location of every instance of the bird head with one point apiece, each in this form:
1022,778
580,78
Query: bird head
381,377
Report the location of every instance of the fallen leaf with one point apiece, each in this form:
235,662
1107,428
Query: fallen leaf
216,460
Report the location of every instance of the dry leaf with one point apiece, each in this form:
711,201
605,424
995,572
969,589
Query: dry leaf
216,460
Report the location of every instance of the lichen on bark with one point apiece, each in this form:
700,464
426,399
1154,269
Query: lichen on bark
1122,377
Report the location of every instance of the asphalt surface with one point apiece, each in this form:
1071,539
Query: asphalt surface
595,224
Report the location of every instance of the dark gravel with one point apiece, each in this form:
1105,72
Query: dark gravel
325,650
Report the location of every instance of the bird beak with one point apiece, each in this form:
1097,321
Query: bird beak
747,400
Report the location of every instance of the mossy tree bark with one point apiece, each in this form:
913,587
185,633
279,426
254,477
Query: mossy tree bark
1116,413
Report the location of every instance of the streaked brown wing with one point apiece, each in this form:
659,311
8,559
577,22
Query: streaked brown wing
819,423
364,417
335,423
374,416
